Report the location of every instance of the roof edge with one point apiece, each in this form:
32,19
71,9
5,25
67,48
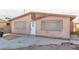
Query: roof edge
53,14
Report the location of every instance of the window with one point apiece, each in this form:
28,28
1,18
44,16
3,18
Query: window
52,25
20,25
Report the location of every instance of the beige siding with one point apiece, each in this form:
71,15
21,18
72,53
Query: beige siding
2,24
4,27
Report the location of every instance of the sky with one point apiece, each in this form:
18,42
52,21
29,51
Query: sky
16,12
10,12
39,4
13,8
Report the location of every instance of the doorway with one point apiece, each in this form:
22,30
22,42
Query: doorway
33,27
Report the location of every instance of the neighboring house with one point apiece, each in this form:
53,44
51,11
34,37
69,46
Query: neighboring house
5,26
76,27
43,24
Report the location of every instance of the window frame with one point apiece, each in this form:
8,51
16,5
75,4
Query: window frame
60,28
20,28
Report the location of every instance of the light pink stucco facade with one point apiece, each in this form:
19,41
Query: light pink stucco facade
65,33
62,34
27,19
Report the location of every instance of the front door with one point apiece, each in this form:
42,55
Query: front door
33,27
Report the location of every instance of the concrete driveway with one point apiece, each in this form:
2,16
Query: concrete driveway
14,41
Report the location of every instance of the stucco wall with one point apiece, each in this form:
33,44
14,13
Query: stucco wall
4,27
26,19
65,33
2,24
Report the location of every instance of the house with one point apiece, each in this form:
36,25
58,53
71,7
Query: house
4,26
76,28
43,24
